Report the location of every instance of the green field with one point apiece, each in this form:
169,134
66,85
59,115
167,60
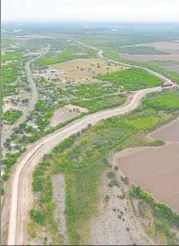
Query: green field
10,116
98,104
11,56
82,158
132,79
163,101
66,54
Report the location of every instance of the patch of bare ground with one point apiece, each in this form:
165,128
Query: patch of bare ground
169,132
114,222
66,113
82,71
173,68
154,167
171,47
59,196
171,57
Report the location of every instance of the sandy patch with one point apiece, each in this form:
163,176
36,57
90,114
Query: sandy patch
173,57
59,196
66,113
81,71
115,222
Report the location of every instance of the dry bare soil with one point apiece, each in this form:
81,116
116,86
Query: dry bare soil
156,169
80,71
170,47
66,113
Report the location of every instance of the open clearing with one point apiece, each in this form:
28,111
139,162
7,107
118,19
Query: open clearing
66,113
115,223
173,68
169,132
80,71
59,199
170,47
158,166
173,57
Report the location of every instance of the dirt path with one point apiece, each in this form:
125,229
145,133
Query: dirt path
59,198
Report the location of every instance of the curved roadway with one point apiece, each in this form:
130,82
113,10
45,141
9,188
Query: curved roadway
22,185
34,97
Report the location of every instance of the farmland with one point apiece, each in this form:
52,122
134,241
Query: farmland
141,50
132,79
82,158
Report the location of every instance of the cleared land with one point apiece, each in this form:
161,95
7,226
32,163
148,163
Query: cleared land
115,222
168,133
158,167
173,68
171,47
158,51
131,57
59,198
83,70
66,113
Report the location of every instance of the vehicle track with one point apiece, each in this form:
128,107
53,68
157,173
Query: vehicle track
18,217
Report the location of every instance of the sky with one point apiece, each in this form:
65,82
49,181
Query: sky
91,10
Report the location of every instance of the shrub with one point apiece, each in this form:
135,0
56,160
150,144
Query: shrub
37,216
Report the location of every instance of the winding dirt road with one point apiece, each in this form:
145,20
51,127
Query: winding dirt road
21,185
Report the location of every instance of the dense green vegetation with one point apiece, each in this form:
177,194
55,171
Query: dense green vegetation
157,66
92,90
132,79
164,218
141,50
66,54
10,116
165,100
82,158
11,56
98,104
9,74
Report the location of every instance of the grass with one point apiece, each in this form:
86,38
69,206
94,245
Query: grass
10,116
165,101
11,56
132,79
65,55
82,158
92,90
94,105
143,123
